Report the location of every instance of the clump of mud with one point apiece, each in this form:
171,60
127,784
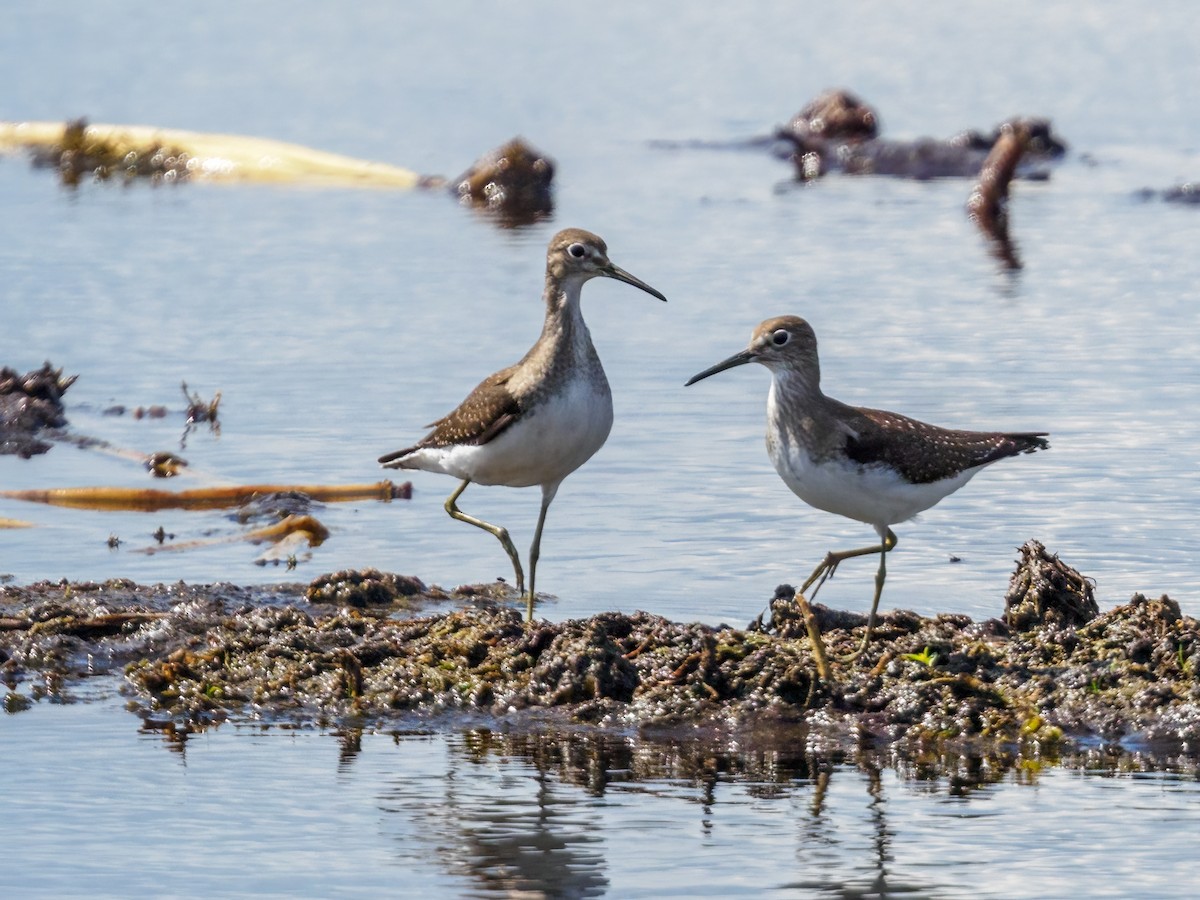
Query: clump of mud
31,403
355,648
1046,591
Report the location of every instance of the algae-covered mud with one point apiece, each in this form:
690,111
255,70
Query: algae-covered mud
368,648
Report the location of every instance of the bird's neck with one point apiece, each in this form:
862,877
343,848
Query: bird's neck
562,295
564,333
797,413
565,348
797,387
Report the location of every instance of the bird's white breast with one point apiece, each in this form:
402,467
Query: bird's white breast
875,494
550,441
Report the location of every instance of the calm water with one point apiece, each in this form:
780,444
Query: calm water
241,812
336,323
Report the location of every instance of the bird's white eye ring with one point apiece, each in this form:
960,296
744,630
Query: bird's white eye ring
577,250
780,337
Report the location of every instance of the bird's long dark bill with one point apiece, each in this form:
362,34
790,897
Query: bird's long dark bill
621,275
738,359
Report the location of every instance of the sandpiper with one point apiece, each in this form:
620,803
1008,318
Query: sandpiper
870,465
538,421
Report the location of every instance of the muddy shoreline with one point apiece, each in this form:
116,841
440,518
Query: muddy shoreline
368,649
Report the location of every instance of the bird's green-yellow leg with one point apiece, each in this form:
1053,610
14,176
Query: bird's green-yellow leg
814,637
535,550
834,558
830,563
889,541
500,533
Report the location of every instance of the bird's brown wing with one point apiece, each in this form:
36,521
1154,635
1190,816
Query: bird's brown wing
931,453
484,415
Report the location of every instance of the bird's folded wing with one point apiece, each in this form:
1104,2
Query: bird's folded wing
932,453
484,415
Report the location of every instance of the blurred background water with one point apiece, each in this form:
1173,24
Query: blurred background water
336,323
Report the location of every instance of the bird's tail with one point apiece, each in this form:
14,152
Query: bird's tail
1029,441
396,460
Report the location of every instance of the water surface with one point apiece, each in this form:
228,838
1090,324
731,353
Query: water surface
486,812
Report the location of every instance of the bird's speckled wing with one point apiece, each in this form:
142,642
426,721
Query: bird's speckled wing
485,414
929,453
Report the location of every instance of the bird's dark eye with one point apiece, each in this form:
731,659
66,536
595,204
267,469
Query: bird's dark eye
577,250
780,337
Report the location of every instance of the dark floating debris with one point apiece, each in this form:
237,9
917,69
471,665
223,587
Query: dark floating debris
29,404
88,154
102,152
988,204
1187,194
196,411
835,115
1057,670
513,181
838,132
1183,193
165,465
33,403
200,410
